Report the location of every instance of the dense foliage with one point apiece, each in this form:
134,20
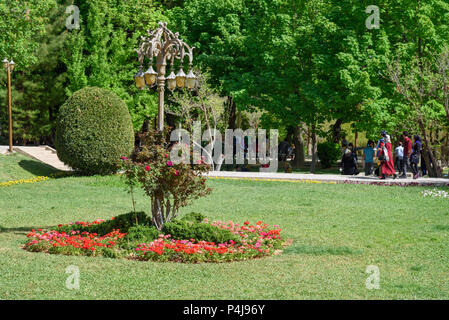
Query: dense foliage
328,153
179,230
94,131
124,222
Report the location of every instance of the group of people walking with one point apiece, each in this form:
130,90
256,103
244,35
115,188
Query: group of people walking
407,154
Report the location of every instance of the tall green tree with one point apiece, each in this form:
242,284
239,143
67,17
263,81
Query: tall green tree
217,30
102,52
23,29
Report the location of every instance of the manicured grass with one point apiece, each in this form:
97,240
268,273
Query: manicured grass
337,231
17,166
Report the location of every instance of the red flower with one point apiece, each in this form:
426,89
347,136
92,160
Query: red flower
124,158
147,168
177,173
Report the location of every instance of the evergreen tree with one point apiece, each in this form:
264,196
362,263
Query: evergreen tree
102,53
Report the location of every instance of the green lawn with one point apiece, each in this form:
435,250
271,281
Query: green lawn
17,166
337,231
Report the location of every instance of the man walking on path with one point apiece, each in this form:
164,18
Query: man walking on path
407,153
368,155
399,151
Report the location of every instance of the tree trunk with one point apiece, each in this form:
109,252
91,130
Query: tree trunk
433,168
145,126
232,114
336,131
309,145
298,141
157,212
314,150
290,133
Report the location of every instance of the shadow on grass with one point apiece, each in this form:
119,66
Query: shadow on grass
20,230
442,227
37,168
322,250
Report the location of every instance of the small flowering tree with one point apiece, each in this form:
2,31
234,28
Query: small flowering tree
169,186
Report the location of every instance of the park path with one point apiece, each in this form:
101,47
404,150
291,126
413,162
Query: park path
327,178
44,154
48,155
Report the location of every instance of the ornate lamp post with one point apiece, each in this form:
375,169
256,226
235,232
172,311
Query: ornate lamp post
9,66
165,46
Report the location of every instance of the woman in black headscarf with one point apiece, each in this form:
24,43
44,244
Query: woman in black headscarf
349,161
416,156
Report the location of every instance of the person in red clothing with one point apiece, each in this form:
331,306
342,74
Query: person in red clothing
407,152
387,163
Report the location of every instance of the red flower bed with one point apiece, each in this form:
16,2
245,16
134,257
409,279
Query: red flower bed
73,243
256,241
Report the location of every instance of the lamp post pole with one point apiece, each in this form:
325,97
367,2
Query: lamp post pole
164,45
9,66
161,66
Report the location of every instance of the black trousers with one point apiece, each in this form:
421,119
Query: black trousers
406,164
414,167
400,164
368,168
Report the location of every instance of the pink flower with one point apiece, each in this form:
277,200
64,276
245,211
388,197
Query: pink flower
169,163
147,168
165,155
177,173
124,158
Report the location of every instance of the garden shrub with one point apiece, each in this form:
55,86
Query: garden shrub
169,185
328,153
93,131
182,229
141,234
122,222
194,217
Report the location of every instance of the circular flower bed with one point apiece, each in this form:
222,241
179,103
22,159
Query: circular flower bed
144,242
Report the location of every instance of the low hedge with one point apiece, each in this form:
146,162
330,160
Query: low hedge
184,229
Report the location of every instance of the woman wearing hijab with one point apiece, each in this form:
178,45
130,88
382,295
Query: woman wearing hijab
349,162
415,156
386,154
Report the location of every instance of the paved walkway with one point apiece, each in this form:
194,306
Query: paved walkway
3,149
327,178
44,154
48,155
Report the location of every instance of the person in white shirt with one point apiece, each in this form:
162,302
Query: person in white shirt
399,152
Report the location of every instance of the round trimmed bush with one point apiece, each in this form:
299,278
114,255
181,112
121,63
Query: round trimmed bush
93,131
